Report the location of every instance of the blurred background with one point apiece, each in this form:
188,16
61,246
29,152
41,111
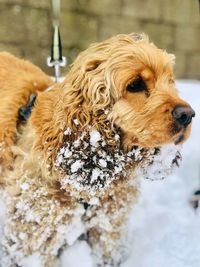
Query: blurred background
174,25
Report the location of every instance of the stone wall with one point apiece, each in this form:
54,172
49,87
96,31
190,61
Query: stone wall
174,25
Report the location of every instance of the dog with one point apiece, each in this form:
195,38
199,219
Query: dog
71,169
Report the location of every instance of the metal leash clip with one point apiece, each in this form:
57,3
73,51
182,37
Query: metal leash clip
56,60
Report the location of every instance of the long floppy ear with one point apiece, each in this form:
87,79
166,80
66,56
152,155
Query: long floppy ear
87,80
78,105
92,64
96,89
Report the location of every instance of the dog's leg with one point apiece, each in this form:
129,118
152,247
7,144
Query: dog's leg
106,223
37,225
106,246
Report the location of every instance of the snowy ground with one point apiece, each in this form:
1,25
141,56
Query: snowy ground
163,228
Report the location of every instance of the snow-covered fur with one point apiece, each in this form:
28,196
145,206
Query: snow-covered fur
73,168
101,188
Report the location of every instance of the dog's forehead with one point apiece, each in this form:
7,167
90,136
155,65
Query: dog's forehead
151,56
143,57
164,73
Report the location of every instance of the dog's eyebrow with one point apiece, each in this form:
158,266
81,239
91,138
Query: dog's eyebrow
147,74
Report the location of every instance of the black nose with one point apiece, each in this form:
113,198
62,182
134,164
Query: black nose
183,115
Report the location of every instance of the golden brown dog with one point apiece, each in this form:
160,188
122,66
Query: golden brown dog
73,164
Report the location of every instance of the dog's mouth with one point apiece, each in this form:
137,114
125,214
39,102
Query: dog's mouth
179,133
180,139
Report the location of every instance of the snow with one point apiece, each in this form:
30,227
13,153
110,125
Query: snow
80,252
163,230
95,174
94,201
162,162
94,138
76,166
68,131
31,261
22,236
24,186
103,163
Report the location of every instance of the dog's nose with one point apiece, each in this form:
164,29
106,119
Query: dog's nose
183,115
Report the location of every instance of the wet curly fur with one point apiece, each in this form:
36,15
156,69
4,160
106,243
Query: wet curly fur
92,98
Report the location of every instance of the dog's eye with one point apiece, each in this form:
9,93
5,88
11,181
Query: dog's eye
137,85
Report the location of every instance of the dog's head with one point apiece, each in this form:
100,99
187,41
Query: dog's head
134,80
124,90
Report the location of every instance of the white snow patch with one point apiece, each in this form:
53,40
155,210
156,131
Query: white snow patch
33,260
23,236
76,122
74,230
162,163
31,217
22,206
77,143
78,255
2,209
94,201
95,174
102,163
118,169
76,166
68,131
67,153
24,186
95,136
59,160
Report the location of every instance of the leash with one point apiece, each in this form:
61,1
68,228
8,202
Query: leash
56,60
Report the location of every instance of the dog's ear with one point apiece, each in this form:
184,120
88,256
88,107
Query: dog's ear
92,64
93,57
97,89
